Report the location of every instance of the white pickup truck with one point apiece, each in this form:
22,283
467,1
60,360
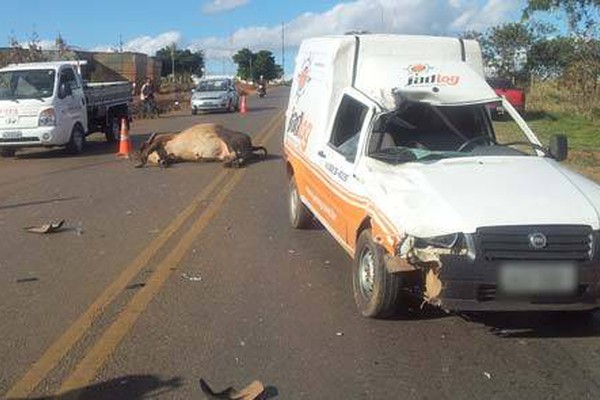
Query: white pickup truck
390,145
48,104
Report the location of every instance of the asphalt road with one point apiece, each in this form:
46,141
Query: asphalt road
163,277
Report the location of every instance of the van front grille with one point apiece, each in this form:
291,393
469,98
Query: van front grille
556,242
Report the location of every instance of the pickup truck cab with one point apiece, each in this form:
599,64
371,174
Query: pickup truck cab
389,144
48,104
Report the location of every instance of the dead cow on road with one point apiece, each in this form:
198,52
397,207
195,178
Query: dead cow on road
203,142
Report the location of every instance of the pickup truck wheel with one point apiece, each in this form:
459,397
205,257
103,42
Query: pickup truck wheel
300,216
376,291
77,142
7,153
113,130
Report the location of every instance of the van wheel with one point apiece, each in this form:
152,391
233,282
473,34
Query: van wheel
376,291
300,217
77,142
7,153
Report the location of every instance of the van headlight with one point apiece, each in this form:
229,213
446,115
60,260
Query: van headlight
47,117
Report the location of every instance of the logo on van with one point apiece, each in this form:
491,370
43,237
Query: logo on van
424,75
418,69
303,77
300,128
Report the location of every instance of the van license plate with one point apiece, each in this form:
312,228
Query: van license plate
12,135
537,278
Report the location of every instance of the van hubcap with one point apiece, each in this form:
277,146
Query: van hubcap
293,202
366,273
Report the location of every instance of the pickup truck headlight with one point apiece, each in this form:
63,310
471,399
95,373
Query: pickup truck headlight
47,117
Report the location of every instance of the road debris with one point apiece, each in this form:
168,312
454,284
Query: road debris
191,278
79,228
487,375
46,228
251,392
26,280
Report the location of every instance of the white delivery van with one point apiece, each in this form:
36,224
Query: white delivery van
390,145
47,104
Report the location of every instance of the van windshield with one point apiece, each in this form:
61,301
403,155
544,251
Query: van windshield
212,86
27,84
419,131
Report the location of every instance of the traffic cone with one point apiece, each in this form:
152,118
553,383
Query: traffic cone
125,148
243,106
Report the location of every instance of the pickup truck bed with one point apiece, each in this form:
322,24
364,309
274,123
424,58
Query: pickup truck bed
107,94
107,104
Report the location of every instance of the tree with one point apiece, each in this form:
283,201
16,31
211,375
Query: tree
582,15
244,60
505,48
252,65
186,61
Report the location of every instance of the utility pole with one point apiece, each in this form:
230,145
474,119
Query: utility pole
173,61
283,50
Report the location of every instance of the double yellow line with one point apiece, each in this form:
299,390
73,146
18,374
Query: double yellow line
95,358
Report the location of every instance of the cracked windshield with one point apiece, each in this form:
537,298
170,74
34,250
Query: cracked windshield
341,199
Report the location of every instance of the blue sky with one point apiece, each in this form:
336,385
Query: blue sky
221,27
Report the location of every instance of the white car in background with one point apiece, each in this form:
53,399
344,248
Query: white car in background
215,94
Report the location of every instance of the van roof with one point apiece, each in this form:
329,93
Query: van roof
381,64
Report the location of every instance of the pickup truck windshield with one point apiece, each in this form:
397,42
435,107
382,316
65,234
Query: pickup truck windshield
212,86
420,131
27,84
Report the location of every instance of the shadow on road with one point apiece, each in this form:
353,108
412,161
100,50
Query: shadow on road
37,203
540,324
131,387
92,148
252,109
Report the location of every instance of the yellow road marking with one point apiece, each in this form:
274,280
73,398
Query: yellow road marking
59,349
87,369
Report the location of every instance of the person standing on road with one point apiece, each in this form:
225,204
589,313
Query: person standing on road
147,97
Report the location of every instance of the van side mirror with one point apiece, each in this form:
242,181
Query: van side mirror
559,147
64,90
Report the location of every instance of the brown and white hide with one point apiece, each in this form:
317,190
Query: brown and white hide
203,142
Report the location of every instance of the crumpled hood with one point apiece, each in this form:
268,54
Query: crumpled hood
460,195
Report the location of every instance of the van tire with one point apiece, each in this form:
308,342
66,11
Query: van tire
76,144
376,291
7,153
300,216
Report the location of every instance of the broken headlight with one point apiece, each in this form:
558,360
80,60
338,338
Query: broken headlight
445,241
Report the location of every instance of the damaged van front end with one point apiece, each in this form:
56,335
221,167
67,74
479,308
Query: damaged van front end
509,268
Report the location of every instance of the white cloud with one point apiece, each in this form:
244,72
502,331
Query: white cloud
433,17
146,44
47,44
217,6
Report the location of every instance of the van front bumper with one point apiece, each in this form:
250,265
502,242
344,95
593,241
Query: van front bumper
30,137
210,104
474,286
